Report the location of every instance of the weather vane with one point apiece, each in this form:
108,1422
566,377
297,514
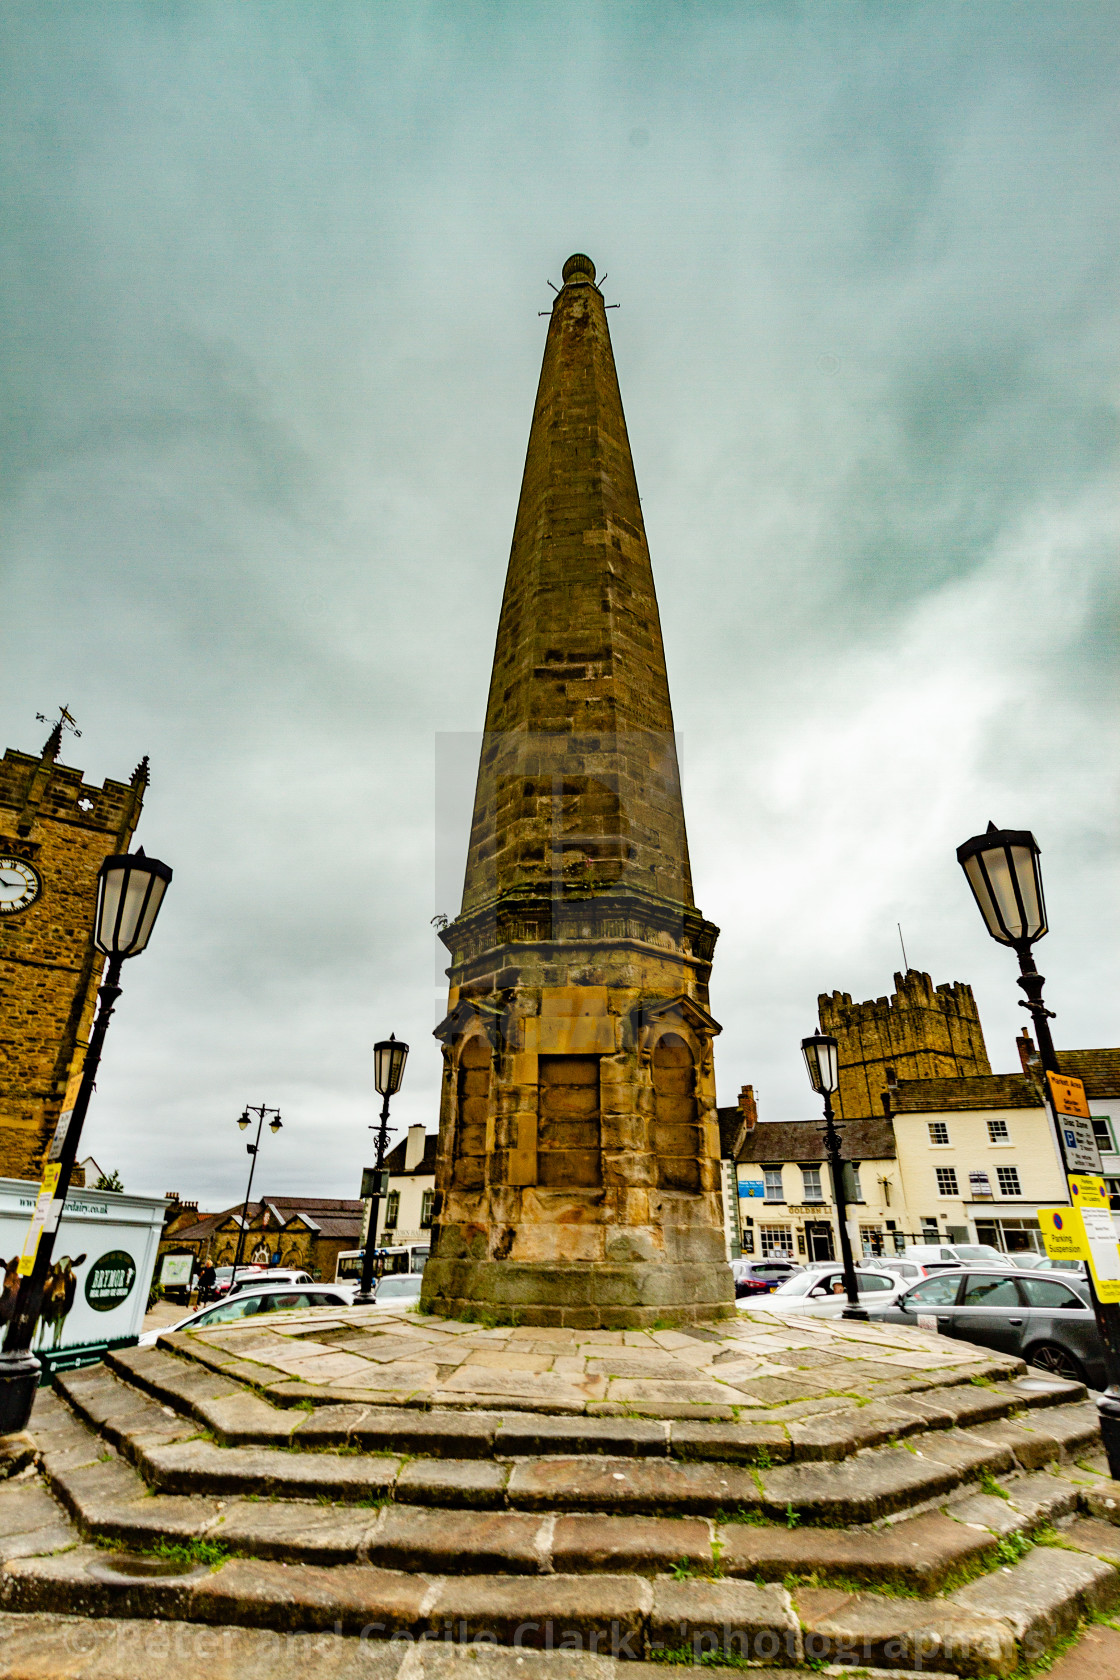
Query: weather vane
66,720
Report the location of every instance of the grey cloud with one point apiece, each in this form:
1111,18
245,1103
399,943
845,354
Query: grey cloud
270,322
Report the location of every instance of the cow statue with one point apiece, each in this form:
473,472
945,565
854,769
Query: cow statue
10,1288
58,1297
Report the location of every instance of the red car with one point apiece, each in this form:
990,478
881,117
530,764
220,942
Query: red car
760,1277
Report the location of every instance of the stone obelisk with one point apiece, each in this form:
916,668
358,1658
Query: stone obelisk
577,1179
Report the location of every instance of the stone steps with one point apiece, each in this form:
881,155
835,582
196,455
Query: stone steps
37,1646
989,1627
876,1482
606,1538
215,1389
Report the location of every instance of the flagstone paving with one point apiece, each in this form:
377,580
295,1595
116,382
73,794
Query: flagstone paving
748,1365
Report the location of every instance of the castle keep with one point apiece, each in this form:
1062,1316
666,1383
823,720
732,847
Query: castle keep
577,1178
921,1031
54,832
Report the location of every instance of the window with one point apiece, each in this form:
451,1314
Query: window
1102,1131
935,1291
777,1241
851,1181
1008,1181
392,1209
938,1132
426,1201
947,1181
989,1291
811,1184
929,1229
997,1132
773,1177
1048,1292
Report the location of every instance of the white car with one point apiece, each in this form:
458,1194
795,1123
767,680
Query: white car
400,1290
821,1294
277,1274
247,1303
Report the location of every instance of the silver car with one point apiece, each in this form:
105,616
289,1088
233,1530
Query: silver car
1043,1317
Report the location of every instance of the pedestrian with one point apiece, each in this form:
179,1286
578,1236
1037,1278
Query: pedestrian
207,1278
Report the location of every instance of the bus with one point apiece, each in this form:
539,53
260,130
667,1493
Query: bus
410,1257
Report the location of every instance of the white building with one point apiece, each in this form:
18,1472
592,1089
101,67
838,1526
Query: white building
405,1214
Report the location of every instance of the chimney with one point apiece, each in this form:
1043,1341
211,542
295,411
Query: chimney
1028,1055
748,1107
414,1147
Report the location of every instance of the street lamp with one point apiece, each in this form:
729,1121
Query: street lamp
822,1061
130,889
251,1149
389,1057
1002,868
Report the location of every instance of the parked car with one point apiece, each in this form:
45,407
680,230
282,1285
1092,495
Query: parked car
1028,1261
1043,1318
223,1276
399,1290
821,1294
936,1256
247,1303
907,1271
253,1279
760,1277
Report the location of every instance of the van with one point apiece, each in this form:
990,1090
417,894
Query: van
941,1256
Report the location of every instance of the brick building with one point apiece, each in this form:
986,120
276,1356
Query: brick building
298,1231
55,830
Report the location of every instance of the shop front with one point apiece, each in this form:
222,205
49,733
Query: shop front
1014,1231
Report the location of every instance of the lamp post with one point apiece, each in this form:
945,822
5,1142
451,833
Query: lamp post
130,889
251,1150
822,1060
389,1057
1002,868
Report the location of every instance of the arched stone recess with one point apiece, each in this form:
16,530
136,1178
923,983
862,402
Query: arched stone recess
674,1042
472,1036
472,1142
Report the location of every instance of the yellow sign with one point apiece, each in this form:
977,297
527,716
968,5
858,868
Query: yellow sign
1068,1095
38,1219
1085,1233
1087,1190
1063,1233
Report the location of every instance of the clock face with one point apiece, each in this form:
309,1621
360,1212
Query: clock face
19,885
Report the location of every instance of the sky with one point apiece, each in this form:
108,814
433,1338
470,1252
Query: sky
270,334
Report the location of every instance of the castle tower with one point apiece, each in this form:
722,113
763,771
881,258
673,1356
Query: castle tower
577,1179
54,832
920,1032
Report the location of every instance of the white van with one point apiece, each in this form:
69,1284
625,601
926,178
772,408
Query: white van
937,1257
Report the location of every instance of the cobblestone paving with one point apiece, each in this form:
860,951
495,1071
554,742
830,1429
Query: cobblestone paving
382,1356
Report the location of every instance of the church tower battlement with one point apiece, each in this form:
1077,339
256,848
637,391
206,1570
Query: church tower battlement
921,1031
577,1178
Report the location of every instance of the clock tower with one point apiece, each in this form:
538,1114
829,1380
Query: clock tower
54,832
